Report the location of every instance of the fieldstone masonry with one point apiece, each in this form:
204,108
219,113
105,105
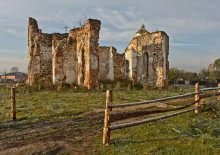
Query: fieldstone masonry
147,54
40,54
76,57
64,58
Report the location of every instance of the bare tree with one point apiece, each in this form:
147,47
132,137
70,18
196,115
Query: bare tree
14,69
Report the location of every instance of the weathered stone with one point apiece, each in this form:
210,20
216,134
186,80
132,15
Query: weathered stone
147,54
40,54
112,65
106,63
59,53
75,57
68,58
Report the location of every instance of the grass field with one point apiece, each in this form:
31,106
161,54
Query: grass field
184,134
52,105
70,122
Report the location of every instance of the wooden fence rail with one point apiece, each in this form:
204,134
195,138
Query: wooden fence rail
208,89
109,106
130,124
152,101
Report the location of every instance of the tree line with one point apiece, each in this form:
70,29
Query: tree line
176,74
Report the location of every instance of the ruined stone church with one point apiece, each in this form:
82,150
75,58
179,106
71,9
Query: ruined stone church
77,58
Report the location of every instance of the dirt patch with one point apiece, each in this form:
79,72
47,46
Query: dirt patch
72,136
47,147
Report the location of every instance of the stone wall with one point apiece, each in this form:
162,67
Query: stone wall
112,65
59,54
87,53
106,63
40,55
76,58
147,54
64,58
119,68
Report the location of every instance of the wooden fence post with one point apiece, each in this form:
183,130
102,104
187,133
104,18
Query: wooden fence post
106,131
13,103
219,90
197,97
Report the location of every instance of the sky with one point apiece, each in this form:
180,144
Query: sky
193,26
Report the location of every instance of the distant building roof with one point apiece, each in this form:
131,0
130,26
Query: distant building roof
16,73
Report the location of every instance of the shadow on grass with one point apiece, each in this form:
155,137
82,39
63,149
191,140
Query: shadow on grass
132,114
39,121
12,123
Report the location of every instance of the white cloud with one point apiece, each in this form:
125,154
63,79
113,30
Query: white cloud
190,25
14,32
120,20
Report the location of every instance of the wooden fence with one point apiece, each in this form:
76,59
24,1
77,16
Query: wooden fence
199,94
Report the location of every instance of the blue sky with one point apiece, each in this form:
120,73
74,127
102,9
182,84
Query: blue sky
192,25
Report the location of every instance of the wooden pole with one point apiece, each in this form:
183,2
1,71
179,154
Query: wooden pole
219,90
106,130
197,97
13,103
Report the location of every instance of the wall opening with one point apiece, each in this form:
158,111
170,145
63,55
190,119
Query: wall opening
146,63
83,65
